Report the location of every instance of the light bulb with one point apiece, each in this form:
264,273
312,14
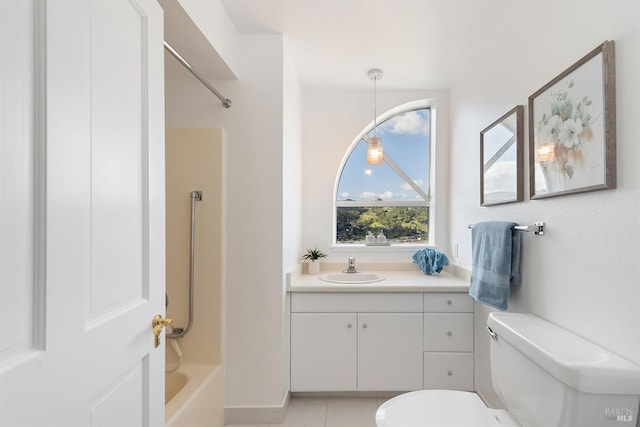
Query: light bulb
375,154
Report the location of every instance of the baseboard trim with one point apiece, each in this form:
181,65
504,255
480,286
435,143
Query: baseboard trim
274,414
359,394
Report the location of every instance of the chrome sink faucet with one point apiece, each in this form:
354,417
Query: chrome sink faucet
352,266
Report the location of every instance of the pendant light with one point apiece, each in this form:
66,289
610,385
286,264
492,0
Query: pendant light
375,154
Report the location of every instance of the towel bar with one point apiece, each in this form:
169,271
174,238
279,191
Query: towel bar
537,228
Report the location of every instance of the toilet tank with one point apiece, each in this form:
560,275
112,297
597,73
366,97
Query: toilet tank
548,377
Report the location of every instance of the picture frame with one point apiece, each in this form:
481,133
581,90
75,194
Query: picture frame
501,159
572,128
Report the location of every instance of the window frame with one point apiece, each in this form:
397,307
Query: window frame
387,115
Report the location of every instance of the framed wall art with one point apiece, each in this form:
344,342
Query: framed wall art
572,128
501,159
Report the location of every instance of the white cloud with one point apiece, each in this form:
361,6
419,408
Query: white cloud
411,123
405,185
370,195
387,195
345,195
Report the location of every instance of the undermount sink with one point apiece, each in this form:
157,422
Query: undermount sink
351,278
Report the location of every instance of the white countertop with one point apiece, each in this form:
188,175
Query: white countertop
395,281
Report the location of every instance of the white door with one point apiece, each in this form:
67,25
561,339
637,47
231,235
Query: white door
81,212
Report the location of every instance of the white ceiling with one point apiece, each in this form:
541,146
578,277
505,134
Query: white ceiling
417,43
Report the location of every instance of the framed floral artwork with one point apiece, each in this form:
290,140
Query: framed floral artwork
572,128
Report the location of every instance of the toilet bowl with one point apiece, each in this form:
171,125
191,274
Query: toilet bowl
544,375
440,408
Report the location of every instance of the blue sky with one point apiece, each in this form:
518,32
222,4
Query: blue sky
406,140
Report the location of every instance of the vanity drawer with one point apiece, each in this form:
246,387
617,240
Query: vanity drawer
448,332
356,302
447,303
449,371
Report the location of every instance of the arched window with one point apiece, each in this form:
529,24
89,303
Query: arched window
394,196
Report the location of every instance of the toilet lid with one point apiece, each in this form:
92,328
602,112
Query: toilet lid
440,408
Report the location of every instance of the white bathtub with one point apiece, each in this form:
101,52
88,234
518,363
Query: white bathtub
194,397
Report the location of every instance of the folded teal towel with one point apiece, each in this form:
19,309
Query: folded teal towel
495,262
430,261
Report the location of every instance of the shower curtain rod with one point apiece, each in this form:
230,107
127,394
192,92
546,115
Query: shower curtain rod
226,102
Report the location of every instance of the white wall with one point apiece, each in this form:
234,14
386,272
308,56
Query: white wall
584,273
253,214
212,20
332,120
202,34
291,193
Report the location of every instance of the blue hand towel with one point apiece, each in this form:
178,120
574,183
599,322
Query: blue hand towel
496,262
430,261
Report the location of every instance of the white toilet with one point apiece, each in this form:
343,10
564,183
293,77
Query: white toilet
545,376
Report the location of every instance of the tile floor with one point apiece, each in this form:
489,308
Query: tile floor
328,412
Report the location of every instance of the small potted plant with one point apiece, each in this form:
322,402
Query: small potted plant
312,258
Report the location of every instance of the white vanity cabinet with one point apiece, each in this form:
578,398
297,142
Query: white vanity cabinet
384,341
448,341
356,341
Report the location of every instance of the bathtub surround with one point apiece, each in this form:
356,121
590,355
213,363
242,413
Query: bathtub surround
194,162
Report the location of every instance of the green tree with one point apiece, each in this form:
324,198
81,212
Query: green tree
400,224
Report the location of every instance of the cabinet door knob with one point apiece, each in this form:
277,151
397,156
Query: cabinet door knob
349,325
449,373
364,325
449,333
